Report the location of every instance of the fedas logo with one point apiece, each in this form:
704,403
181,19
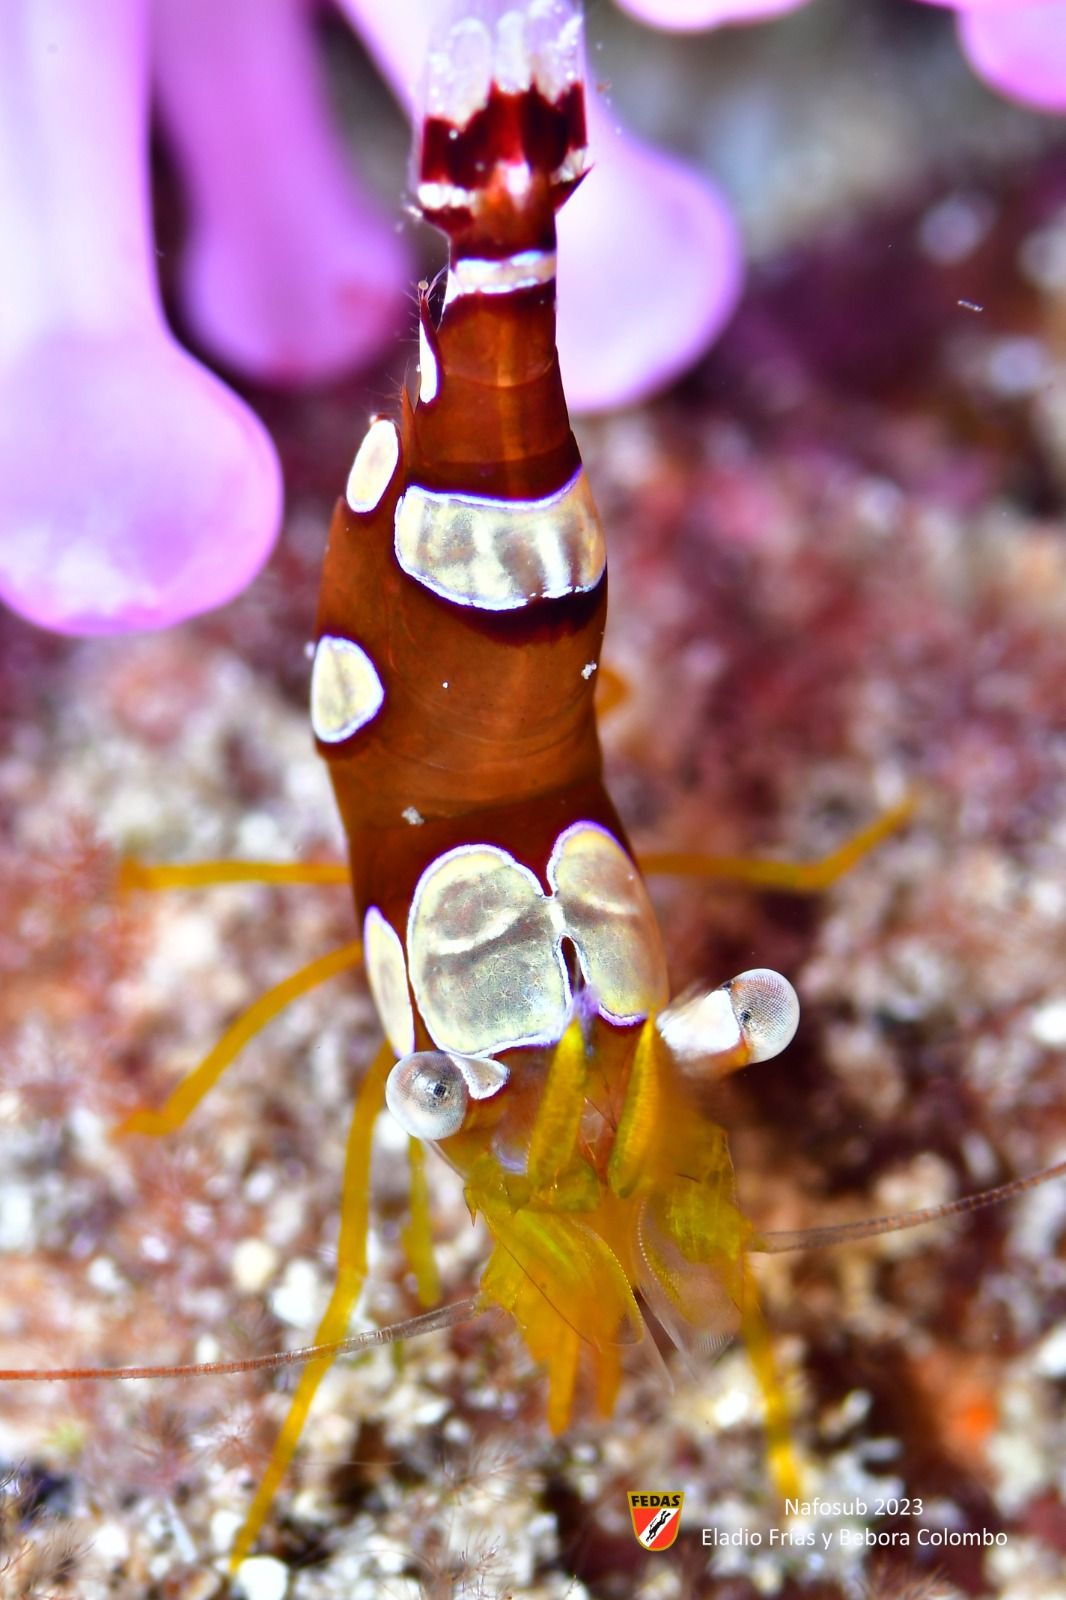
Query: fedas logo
656,1516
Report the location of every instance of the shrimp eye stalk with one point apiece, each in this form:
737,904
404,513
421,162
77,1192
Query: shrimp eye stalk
752,1017
429,1092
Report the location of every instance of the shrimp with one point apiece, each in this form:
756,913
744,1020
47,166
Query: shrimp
509,941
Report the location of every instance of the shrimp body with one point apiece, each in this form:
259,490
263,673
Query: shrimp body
510,944
511,947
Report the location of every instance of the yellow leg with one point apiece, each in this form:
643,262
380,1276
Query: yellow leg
351,1272
418,1234
612,690
788,877
638,1125
608,1377
551,1144
191,1090
779,1453
133,874
562,1379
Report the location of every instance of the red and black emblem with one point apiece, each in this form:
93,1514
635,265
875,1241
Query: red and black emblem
656,1516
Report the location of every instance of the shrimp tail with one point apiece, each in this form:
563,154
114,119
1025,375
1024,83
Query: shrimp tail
503,139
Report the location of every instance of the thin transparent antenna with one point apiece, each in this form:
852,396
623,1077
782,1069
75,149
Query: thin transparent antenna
873,1227
449,1316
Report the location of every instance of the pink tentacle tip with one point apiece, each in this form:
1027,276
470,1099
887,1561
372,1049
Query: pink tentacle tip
138,490
1010,7
690,15
1018,49
651,269
291,274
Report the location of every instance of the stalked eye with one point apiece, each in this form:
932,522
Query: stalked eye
750,1018
429,1092
767,1011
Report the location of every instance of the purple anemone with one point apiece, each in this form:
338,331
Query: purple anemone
696,14
1018,48
138,489
290,273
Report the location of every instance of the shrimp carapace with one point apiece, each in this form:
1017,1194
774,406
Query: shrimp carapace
510,944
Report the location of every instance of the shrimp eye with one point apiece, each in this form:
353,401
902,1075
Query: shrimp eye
767,1010
430,1092
750,1018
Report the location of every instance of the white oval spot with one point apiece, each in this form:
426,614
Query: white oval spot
374,464
386,973
526,269
346,692
500,555
483,947
610,919
428,371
